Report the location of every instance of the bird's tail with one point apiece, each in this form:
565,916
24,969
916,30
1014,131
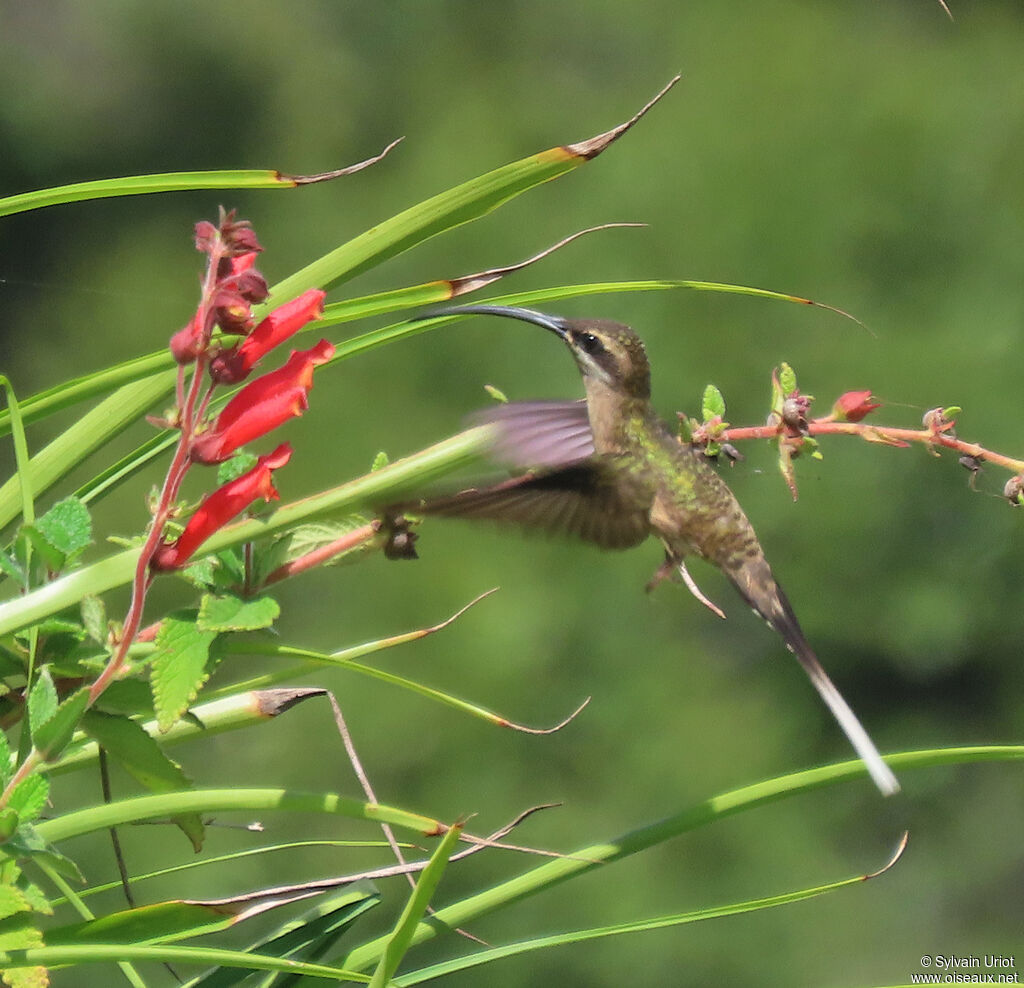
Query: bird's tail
755,582
852,727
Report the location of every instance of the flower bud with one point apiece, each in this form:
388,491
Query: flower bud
853,406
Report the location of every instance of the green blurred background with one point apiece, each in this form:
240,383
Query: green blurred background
866,155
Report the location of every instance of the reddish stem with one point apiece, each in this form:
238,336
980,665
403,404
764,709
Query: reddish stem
189,416
350,540
938,436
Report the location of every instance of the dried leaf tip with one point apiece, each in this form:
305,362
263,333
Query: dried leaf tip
339,172
471,282
595,145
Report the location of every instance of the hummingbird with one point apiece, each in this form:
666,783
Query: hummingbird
606,469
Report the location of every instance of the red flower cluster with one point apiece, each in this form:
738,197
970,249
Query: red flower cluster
233,285
262,405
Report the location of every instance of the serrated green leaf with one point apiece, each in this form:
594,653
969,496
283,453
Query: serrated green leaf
54,735
200,573
13,900
42,700
787,378
713,404
18,932
379,461
67,526
29,797
27,977
180,665
234,468
230,613
30,539
94,618
34,896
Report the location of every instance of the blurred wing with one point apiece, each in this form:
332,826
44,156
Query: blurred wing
534,434
588,500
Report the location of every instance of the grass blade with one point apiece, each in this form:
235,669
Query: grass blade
134,185
658,923
737,801
167,954
138,808
400,938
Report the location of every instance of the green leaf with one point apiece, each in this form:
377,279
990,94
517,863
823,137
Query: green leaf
134,185
9,822
54,735
713,404
787,378
234,468
29,843
67,527
13,900
18,932
180,665
29,537
29,797
138,752
12,567
230,613
307,937
34,896
42,700
94,618
400,939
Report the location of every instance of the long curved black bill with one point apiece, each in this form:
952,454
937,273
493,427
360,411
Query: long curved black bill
554,323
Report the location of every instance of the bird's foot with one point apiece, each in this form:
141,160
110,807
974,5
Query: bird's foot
666,571
695,590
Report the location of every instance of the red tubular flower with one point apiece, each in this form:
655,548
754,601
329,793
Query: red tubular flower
262,405
185,343
232,366
853,406
220,507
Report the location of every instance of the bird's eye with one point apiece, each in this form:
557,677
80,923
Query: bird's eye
590,343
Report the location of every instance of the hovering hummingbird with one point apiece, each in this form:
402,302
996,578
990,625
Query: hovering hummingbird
608,470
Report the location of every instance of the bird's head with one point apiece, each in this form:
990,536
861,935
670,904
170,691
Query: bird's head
606,352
